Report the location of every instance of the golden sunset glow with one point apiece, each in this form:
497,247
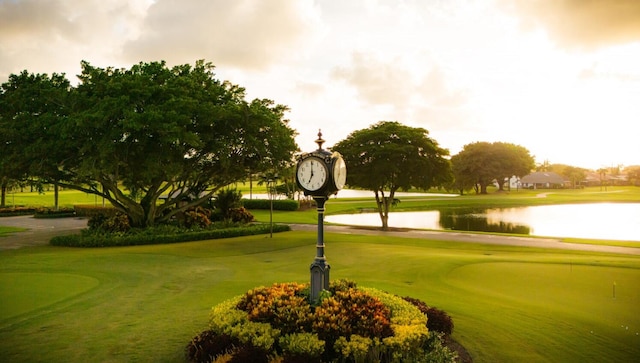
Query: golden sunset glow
560,78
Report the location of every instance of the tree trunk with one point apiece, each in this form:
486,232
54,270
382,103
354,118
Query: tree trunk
56,195
384,204
3,193
385,217
380,201
483,188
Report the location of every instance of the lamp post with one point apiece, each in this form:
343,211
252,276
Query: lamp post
270,208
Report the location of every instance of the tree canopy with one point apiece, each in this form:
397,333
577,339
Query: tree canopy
32,106
134,135
480,163
389,156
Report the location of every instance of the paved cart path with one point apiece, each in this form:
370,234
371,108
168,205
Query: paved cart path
40,231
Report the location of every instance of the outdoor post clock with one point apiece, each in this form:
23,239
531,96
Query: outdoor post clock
319,174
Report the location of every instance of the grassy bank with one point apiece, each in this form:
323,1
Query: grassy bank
7,230
145,303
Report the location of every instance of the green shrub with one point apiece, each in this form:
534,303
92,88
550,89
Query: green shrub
359,349
92,210
226,200
16,211
282,305
240,215
278,204
300,345
158,235
118,223
52,213
197,217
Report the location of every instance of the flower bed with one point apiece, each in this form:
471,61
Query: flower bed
347,324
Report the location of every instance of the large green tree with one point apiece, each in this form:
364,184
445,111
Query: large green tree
513,160
389,156
479,164
575,174
32,108
472,167
134,135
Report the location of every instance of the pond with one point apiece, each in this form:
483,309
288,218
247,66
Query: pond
352,193
612,221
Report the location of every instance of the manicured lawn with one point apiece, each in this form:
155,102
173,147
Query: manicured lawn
7,230
145,303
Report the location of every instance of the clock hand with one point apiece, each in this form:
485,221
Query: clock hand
311,176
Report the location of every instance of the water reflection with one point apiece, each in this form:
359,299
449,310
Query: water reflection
474,220
614,221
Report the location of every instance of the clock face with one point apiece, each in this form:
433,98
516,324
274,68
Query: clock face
339,173
312,174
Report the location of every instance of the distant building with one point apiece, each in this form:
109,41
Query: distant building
543,180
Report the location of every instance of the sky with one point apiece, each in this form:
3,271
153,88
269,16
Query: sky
558,77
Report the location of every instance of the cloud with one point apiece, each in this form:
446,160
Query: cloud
434,88
54,36
583,24
402,94
378,82
244,34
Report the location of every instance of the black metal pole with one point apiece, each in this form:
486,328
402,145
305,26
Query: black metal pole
270,208
319,267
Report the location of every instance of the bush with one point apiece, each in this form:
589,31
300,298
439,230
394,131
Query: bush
350,324
118,223
158,235
226,200
16,211
197,217
437,320
278,204
204,347
52,213
240,215
92,210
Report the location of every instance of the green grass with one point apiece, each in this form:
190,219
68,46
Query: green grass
145,303
8,230
66,198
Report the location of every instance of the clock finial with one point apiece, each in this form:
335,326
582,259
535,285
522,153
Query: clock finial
320,141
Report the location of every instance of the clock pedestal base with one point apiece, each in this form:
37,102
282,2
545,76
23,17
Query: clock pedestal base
319,278
319,267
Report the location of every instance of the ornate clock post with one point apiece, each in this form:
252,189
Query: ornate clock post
319,174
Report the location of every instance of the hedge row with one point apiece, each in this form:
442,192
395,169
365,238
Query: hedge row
64,212
16,211
37,212
278,204
92,210
112,240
